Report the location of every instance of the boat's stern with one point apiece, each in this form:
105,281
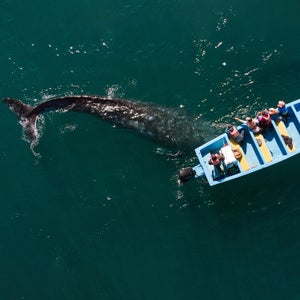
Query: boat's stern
199,171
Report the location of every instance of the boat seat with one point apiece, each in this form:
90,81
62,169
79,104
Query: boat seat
283,131
243,161
263,147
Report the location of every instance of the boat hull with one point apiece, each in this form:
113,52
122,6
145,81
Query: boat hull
257,152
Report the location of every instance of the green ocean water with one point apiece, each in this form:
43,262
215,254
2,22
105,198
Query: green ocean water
98,214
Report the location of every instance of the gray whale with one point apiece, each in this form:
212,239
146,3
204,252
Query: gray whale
168,126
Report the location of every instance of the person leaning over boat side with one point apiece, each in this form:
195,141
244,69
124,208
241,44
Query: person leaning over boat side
281,111
237,136
252,124
264,119
216,160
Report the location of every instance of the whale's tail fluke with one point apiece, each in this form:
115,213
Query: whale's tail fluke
26,117
18,107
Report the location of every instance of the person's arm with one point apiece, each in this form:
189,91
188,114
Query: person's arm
240,120
273,111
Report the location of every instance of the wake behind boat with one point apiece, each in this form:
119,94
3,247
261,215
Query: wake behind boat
258,151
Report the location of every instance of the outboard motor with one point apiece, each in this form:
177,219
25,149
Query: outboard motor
186,174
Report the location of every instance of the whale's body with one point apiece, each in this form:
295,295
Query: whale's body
164,125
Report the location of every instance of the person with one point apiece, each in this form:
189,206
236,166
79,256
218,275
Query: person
264,119
237,136
216,160
281,111
252,124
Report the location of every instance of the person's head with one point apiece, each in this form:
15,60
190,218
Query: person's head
249,120
259,116
280,104
229,127
213,156
265,113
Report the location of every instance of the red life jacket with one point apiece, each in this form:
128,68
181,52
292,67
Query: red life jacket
266,119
